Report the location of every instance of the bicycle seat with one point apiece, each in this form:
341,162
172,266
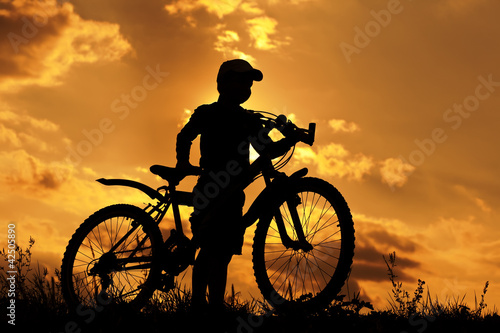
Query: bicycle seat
173,175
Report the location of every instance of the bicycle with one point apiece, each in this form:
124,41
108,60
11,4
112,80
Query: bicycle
302,248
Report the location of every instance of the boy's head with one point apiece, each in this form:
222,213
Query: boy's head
234,80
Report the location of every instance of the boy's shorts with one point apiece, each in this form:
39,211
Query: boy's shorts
223,231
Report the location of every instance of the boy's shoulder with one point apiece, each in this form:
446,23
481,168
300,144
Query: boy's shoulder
203,112
208,115
208,109
204,108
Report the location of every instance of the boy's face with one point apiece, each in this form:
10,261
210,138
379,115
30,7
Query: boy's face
236,88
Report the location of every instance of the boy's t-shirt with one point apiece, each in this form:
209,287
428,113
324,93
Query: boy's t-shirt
224,138
225,134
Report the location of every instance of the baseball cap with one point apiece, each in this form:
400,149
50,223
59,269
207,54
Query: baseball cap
238,66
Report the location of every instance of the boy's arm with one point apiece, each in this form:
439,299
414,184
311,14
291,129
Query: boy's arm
278,148
270,147
185,139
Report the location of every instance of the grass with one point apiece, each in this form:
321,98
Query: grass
41,308
406,304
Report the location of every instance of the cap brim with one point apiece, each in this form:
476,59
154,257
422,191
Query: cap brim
257,75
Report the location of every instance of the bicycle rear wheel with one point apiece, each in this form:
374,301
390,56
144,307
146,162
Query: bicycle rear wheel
114,256
305,278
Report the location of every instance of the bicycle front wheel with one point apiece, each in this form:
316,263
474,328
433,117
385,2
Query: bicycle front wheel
112,257
311,277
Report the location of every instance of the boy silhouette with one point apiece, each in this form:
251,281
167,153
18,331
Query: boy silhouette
225,129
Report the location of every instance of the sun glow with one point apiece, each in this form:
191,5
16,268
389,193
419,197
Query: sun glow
64,66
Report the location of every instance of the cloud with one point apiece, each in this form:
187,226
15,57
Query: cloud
369,264
334,160
251,7
227,44
60,185
447,239
387,235
340,125
20,130
260,30
44,39
470,195
293,2
395,172
21,170
426,251
461,236
8,116
482,205
218,7
11,138
384,237
376,238
22,136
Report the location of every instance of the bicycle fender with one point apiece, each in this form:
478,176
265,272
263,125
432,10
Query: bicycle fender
278,188
152,193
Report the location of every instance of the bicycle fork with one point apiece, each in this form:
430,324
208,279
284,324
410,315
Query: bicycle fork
301,243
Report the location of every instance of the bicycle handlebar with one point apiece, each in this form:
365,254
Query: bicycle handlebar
289,129
281,123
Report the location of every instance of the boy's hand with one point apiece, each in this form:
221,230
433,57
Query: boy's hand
184,165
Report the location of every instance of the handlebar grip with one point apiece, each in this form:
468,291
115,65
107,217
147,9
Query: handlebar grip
289,129
312,133
307,136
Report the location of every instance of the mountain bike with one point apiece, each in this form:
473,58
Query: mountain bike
302,248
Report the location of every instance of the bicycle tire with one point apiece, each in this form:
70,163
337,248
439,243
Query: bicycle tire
305,290
92,240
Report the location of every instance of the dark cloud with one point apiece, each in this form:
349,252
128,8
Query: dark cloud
23,171
44,39
393,240
396,89
28,35
369,264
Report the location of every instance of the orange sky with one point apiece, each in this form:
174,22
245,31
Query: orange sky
405,94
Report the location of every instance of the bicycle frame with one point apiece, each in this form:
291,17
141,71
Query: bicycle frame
277,187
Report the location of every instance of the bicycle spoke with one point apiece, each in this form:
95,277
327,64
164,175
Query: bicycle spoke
330,236
320,270
286,274
314,276
124,283
285,263
319,267
295,273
